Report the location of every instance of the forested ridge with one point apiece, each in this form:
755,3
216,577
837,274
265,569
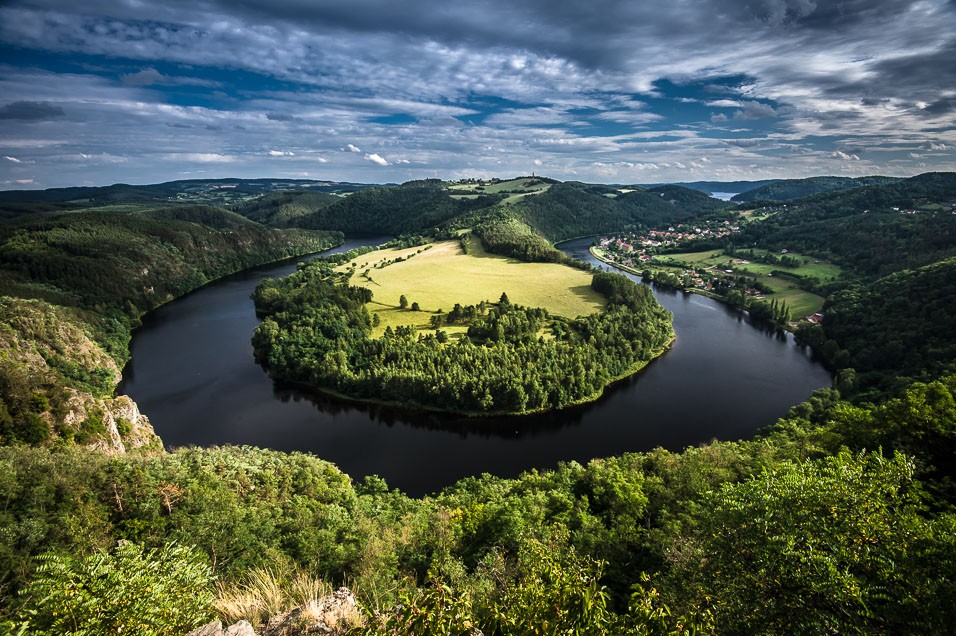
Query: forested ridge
839,518
787,189
85,279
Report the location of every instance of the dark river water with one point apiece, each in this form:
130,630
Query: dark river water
192,372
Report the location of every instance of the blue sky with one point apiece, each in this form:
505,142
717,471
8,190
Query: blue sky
106,91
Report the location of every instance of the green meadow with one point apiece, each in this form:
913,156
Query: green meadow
438,276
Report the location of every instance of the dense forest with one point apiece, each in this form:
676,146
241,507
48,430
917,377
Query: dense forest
283,208
316,332
838,518
788,189
411,207
872,230
569,210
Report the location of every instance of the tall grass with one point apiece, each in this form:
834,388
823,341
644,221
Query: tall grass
265,592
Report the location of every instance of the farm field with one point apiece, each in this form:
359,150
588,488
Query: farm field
441,274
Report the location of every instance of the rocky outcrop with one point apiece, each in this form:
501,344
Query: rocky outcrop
55,374
332,615
123,427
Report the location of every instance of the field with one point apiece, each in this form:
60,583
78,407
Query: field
800,301
441,275
516,188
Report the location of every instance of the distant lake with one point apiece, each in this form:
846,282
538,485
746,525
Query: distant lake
724,196
193,373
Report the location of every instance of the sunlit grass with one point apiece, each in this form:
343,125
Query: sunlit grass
438,277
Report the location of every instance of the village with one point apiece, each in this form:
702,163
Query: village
685,257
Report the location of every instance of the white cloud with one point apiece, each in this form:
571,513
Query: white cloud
375,158
281,153
839,154
13,159
203,157
352,148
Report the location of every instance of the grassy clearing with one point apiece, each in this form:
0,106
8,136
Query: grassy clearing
438,277
524,185
808,266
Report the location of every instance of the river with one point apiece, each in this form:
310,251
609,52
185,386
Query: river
192,372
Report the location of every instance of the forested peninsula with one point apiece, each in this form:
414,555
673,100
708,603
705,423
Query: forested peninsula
510,359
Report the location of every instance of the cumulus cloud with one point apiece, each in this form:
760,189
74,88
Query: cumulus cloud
755,110
281,153
839,154
13,159
375,158
352,148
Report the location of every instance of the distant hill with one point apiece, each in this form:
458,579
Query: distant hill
787,189
573,209
717,186
872,230
410,207
203,191
281,209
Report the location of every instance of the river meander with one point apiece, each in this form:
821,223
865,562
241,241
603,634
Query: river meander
193,374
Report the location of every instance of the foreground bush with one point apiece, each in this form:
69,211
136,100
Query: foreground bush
126,591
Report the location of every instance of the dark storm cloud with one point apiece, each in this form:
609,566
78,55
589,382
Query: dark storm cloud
487,86
921,73
31,111
941,106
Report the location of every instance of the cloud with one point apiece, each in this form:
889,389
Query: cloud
151,77
452,92
755,110
204,157
374,158
839,154
13,159
942,106
31,111
281,153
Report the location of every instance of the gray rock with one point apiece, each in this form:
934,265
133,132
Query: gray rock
212,629
242,628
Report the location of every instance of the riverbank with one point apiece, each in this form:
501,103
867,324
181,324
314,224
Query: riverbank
790,326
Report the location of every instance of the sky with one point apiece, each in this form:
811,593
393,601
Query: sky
614,91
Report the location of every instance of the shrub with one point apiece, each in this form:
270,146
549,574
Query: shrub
129,590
